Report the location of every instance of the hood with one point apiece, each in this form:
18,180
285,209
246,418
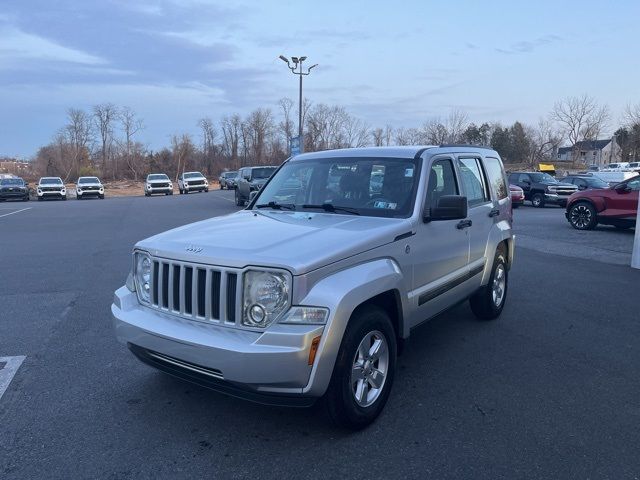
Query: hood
558,184
158,181
297,241
95,184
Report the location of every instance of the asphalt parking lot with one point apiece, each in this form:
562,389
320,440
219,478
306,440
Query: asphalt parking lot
550,390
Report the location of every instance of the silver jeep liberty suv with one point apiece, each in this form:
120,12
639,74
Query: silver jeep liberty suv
311,290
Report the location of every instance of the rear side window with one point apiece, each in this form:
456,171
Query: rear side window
473,181
493,167
442,181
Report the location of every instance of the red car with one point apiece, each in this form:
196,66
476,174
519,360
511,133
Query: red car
617,206
517,196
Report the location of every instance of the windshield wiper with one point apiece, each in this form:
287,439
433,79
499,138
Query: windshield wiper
277,206
330,207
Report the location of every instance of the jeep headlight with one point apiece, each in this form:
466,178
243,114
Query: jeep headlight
142,276
266,295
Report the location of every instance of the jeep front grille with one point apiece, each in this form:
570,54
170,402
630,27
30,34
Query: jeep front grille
195,291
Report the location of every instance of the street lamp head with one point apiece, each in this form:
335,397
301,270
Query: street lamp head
294,59
312,66
302,59
284,59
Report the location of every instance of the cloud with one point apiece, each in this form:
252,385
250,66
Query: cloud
16,45
527,46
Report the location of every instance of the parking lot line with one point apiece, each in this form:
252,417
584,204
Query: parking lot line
17,211
8,368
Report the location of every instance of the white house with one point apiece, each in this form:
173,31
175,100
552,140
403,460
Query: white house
591,152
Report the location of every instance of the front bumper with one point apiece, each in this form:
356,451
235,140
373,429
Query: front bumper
14,194
556,199
89,193
153,189
55,193
268,367
196,188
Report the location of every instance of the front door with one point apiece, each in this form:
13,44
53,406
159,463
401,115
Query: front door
439,250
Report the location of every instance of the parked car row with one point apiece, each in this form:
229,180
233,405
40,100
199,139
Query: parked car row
622,167
49,187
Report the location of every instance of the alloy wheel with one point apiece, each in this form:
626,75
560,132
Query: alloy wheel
370,368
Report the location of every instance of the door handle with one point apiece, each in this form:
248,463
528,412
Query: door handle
464,224
494,213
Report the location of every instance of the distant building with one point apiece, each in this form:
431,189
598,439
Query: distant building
591,152
14,167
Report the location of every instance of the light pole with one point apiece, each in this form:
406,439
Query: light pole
297,69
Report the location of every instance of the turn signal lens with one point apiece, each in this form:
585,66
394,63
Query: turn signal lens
314,349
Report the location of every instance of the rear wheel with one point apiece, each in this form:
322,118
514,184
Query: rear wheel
537,200
364,369
582,216
488,302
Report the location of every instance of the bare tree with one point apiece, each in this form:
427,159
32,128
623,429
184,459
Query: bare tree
104,115
456,123
286,125
378,137
257,127
231,130
182,150
631,115
208,142
79,134
544,138
580,118
130,124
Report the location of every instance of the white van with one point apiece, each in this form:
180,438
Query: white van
613,178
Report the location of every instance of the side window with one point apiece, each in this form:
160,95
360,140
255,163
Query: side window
524,178
442,181
579,182
473,181
495,173
634,184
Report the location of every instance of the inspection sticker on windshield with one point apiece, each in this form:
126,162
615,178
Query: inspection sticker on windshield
387,205
408,172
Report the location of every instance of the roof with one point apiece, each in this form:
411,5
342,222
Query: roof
586,145
410,151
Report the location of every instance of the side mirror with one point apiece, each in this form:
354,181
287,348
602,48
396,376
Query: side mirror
449,207
621,188
252,195
582,187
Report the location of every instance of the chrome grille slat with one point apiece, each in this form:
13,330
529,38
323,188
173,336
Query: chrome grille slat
211,291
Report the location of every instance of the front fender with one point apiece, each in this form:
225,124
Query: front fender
342,292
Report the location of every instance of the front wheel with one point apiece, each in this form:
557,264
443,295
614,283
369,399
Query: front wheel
101,197
537,200
488,302
78,197
364,370
239,201
582,216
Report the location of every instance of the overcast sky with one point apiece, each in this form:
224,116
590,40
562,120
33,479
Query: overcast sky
398,62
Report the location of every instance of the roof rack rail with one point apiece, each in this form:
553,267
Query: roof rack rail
465,145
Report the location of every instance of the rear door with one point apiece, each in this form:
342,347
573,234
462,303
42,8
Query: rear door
483,213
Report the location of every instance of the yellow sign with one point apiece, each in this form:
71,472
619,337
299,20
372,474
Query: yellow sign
546,167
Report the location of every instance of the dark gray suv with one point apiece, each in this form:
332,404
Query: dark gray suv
251,179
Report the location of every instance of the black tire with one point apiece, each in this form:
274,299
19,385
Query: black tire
171,192
64,198
342,406
537,200
78,197
239,201
39,199
25,199
206,190
147,194
515,205
101,197
583,216
485,303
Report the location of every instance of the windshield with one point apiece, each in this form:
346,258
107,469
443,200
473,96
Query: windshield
229,174
379,187
542,178
259,173
157,176
50,181
596,182
193,175
89,180
11,181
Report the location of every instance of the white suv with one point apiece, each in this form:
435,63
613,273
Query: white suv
51,187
